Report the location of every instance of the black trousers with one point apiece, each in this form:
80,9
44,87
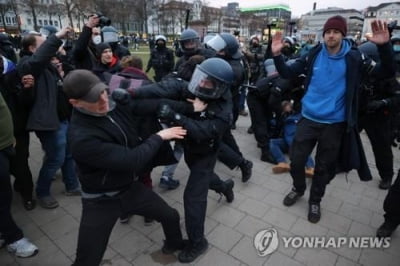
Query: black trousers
327,137
8,228
260,116
19,166
201,178
391,204
229,152
235,107
100,214
377,127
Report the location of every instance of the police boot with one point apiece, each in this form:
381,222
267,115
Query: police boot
227,190
192,251
246,167
266,155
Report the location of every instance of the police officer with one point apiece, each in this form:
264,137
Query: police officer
161,58
380,98
190,45
210,83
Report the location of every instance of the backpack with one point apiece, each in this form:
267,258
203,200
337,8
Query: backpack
123,81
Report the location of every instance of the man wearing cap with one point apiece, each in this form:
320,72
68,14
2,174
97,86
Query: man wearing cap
333,72
111,152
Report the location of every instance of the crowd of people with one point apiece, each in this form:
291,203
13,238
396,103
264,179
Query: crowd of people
106,125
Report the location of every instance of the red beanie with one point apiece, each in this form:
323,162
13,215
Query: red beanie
337,23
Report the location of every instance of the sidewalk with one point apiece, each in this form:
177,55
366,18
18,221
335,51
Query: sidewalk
352,208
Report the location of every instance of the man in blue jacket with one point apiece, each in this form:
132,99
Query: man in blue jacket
334,70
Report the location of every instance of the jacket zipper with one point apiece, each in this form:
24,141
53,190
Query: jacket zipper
125,139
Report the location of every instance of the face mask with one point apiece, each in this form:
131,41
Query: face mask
160,45
286,51
396,48
96,39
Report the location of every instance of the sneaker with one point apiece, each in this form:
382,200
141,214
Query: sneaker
148,221
281,168
29,204
385,230
73,192
309,172
246,167
243,113
314,213
228,190
169,249
291,198
124,218
23,248
385,184
191,252
168,183
48,202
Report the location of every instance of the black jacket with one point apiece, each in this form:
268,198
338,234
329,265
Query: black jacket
205,129
84,52
110,151
45,111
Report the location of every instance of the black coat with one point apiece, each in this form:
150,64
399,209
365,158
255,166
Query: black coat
84,52
110,151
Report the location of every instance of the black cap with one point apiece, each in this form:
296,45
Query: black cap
83,85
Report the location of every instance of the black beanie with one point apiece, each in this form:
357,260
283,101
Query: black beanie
101,47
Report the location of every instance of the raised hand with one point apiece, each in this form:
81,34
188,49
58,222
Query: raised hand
380,32
276,44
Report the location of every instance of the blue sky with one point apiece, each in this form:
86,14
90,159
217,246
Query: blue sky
299,7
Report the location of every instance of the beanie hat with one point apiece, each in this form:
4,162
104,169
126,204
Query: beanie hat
83,84
336,22
101,47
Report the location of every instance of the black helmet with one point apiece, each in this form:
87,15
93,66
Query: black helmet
226,42
370,49
211,79
189,35
48,30
110,34
395,38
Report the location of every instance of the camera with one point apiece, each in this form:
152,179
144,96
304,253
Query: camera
103,20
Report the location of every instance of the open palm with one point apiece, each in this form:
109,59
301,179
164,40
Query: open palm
380,32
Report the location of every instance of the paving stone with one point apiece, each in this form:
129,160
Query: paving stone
216,257
277,258
254,207
245,251
131,245
279,218
315,257
335,222
345,262
355,213
228,216
224,237
250,226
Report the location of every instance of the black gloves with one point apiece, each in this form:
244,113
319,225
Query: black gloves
121,96
374,106
167,115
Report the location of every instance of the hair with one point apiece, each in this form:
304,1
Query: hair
27,41
132,61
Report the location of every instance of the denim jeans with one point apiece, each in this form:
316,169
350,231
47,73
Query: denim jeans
169,170
57,155
279,146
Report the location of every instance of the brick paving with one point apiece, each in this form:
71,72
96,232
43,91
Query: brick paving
349,208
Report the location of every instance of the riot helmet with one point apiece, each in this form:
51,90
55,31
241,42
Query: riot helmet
226,42
48,30
370,49
396,43
211,79
109,34
189,41
161,41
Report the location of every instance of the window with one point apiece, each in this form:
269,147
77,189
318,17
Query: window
8,20
29,21
13,21
40,22
45,22
55,23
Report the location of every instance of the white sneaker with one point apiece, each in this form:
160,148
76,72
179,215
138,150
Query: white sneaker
23,248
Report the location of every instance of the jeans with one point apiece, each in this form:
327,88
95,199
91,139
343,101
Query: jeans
57,155
169,170
242,93
278,147
8,229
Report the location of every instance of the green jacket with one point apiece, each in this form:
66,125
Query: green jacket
6,125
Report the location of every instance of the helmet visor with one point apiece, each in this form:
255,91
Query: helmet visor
110,37
205,86
217,43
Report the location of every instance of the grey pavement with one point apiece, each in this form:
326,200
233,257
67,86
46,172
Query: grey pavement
349,208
